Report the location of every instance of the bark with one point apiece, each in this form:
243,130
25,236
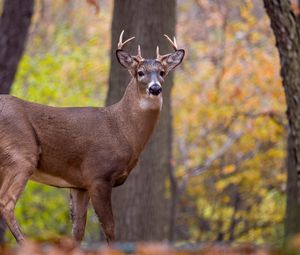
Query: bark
292,217
286,30
14,26
140,207
174,200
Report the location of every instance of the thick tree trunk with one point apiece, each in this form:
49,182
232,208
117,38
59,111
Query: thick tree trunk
286,30
14,26
140,207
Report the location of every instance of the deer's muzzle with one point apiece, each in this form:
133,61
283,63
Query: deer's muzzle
155,89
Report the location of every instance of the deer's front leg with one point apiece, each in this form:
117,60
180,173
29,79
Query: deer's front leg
79,200
100,193
13,180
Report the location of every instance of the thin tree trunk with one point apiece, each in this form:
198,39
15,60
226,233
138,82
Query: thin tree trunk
174,200
14,26
286,30
140,207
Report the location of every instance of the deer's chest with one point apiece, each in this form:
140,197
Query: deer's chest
121,176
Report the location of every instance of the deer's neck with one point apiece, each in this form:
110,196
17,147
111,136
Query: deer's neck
138,115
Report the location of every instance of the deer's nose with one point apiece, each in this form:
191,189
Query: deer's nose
155,89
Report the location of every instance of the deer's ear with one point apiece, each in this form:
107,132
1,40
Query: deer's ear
173,59
126,60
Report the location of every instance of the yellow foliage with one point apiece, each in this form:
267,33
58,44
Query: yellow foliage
229,169
234,89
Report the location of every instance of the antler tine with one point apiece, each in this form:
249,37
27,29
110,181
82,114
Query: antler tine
128,40
120,43
120,40
139,51
174,44
157,52
139,55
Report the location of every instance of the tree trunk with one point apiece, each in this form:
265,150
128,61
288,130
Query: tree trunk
292,218
140,206
14,26
286,30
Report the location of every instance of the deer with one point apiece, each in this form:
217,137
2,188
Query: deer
88,150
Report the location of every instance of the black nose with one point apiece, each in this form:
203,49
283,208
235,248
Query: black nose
155,89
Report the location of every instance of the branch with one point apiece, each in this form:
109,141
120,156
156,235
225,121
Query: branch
232,138
276,117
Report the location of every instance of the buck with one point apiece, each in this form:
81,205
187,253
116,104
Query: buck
89,150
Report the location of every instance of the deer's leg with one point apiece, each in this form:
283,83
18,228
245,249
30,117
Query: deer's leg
13,180
79,200
100,194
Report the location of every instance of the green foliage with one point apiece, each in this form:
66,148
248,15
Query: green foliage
67,75
43,212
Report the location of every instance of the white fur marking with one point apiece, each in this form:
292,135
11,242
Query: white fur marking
145,104
151,102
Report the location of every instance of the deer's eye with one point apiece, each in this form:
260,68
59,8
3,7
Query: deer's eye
162,73
141,73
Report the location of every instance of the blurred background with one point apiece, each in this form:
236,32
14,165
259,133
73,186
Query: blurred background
225,178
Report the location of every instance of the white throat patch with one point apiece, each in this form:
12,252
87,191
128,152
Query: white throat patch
151,102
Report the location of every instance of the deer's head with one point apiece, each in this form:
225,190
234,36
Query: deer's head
149,73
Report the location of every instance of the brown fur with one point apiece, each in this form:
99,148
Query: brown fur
87,149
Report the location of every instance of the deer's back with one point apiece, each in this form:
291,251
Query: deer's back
71,139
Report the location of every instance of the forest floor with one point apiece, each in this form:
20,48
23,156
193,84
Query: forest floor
68,247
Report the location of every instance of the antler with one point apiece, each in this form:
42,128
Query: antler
173,43
120,43
139,55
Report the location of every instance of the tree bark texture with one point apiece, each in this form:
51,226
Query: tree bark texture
286,30
14,25
140,206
